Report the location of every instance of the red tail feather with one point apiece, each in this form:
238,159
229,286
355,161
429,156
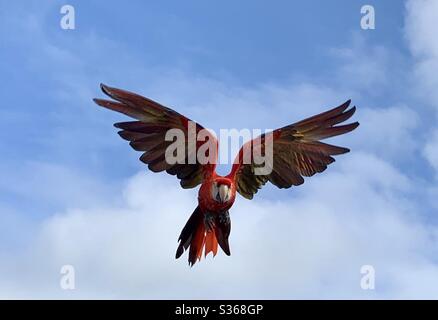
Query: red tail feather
195,236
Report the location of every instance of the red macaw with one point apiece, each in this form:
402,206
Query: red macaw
297,152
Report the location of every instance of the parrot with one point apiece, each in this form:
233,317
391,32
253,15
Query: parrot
296,148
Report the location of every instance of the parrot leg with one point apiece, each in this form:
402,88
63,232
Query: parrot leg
209,221
222,230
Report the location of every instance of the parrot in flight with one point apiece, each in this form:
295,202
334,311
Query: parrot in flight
296,148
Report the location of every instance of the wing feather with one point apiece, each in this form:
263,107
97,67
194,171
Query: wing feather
147,134
297,151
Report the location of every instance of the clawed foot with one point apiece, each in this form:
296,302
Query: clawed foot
224,217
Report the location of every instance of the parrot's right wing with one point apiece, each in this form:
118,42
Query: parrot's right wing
148,135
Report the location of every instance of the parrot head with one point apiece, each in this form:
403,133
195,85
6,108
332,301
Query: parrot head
221,190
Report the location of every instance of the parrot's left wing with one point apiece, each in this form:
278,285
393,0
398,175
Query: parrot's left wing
296,151
149,132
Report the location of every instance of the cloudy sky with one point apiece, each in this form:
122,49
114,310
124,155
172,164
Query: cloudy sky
73,193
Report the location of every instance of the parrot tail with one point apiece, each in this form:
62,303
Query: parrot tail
204,230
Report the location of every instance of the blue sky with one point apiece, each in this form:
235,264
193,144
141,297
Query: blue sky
72,192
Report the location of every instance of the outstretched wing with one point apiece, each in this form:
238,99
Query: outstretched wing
296,151
148,134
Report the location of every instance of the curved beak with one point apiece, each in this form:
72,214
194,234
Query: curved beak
223,193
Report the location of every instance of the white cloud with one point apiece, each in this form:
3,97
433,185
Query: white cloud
388,132
52,184
430,150
420,29
363,67
421,25
312,245
227,105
